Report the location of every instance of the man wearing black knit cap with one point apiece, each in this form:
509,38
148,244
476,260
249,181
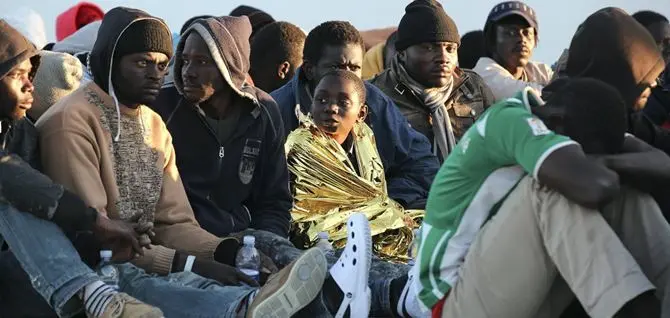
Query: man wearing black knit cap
510,35
439,99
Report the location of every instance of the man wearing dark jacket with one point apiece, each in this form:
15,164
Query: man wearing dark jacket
408,162
658,104
31,203
611,46
439,99
228,136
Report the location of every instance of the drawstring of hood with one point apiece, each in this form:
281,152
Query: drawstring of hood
112,31
117,136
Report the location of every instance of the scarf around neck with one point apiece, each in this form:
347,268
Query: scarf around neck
434,99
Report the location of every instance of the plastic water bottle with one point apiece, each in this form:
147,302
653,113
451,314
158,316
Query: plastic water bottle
106,270
324,243
248,260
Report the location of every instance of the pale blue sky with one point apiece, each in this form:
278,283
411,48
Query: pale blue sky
558,19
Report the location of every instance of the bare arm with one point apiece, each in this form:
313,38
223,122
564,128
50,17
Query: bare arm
579,178
640,165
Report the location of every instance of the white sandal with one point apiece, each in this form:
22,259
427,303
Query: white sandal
352,270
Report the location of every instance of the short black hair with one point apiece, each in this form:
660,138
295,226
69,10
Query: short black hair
330,33
191,21
471,49
647,18
359,85
277,42
257,17
594,114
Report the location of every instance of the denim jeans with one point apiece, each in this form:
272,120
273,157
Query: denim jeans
189,295
182,294
43,258
283,252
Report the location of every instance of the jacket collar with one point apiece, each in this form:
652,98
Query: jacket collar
460,79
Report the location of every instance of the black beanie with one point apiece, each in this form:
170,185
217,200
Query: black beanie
148,35
425,21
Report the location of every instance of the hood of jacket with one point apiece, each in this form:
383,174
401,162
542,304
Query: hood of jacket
80,41
227,39
29,23
611,46
59,75
111,30
69,21
14,48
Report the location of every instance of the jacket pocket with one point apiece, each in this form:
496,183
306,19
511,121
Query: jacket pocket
464,117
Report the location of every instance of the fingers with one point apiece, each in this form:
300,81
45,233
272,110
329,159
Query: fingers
144,240
121,253
137,248
246,279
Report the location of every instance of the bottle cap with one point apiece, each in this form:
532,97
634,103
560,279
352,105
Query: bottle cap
249,240
105,254
323,235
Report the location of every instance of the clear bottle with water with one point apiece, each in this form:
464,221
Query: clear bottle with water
106,271
324,242
248,260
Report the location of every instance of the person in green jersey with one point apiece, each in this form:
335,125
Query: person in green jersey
512,225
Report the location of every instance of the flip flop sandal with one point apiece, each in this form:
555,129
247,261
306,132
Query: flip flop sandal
351,272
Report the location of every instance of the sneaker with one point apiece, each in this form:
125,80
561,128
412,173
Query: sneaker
409,305
124,306
351,272
292,288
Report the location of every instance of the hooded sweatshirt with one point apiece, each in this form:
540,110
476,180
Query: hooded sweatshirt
242,181
76,17
59,75
611,46
21,185
29,23
135,178
373,61
80,41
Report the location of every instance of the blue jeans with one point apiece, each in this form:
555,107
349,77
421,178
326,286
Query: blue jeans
43,258
283,252
189,295
182,294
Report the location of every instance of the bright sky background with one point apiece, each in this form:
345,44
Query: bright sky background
558,19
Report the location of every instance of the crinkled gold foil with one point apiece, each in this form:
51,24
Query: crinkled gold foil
327,190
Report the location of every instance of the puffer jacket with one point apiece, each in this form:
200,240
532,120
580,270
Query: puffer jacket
469,99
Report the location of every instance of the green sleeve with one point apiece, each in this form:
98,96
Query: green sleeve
517,137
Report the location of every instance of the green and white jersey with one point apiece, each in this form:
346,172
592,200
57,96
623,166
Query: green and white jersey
505,144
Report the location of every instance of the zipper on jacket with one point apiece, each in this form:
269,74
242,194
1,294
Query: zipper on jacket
221,147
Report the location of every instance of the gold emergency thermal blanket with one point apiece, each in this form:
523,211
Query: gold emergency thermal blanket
327,190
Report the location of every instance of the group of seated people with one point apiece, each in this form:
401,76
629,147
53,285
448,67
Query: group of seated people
169,153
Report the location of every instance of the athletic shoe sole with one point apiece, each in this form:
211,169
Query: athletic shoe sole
302,286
